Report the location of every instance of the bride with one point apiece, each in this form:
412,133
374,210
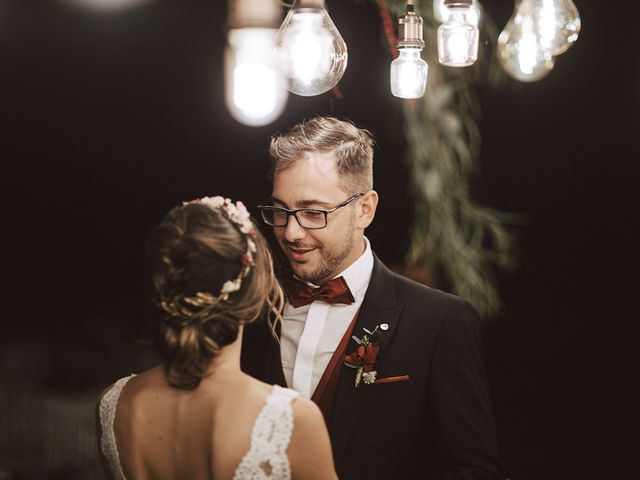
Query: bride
197,415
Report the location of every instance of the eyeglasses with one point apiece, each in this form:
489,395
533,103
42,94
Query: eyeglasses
309,218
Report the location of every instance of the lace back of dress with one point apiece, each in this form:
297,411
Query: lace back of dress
267,457
108,440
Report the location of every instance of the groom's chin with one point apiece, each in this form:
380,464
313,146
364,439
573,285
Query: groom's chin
303,272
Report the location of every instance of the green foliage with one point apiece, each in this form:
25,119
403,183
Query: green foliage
451,232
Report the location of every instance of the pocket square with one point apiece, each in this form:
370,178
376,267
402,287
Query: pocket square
399,378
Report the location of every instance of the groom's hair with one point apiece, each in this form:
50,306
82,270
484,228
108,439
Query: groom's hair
352,147
189,257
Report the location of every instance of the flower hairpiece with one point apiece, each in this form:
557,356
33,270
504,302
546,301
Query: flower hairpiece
238,214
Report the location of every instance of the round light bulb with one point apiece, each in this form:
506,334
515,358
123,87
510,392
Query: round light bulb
313,55
557,23
255,89
409,74
458,38
519,50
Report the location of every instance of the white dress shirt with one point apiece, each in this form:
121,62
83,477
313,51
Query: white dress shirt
311,333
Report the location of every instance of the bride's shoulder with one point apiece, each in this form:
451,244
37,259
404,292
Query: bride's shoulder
306,413
133,382
310,429
304,410
116,386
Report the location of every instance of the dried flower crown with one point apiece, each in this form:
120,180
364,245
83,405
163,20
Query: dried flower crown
237,213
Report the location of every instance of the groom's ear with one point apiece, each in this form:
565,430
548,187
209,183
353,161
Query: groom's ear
366,209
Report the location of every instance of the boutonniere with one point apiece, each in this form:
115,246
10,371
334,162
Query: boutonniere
365,357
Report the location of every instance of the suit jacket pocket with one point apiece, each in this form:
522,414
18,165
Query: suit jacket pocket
393,386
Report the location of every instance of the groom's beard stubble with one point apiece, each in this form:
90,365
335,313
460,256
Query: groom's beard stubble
331,257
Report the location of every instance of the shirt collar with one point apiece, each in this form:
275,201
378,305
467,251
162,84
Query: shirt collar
358,274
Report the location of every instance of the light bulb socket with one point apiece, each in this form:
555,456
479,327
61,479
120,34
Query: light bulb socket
254,14
458,3
314,4
410,30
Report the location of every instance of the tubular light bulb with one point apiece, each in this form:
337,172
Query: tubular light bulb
519,50
255,89
313,55
408,72
458,36
558,24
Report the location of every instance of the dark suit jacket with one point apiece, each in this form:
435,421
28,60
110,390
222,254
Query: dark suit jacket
437,425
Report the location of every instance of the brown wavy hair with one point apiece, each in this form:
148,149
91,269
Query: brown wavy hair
352,147
189,257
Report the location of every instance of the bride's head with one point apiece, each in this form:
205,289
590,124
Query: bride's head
208,271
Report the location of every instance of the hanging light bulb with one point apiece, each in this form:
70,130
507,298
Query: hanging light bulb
557,23
409,71
458,36
255,89
519,50
312,53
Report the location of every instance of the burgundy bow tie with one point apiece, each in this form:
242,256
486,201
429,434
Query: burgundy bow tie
333,291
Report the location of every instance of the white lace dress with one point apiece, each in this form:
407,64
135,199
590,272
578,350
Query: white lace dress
266,458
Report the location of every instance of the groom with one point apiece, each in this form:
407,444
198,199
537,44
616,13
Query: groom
396,367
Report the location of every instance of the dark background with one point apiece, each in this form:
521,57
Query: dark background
107,121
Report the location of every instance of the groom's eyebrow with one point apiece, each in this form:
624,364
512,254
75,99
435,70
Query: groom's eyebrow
301,203
276,200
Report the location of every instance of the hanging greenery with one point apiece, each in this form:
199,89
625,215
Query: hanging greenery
455,242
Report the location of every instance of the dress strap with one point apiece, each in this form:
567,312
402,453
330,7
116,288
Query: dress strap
270,437
108,445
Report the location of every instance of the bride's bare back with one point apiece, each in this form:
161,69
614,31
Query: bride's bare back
166,433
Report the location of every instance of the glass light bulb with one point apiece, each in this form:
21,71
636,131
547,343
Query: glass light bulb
255,89
457,38
105,6
409,74
557,23
440,12
313,55
519,50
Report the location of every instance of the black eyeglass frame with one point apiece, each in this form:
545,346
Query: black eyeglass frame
293,213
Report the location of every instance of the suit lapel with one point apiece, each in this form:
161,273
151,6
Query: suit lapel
380,306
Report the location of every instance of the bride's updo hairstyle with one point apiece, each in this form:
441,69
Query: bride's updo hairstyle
208,271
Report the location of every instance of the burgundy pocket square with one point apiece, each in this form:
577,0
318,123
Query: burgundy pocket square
400,378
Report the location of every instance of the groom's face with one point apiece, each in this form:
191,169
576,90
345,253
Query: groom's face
317,255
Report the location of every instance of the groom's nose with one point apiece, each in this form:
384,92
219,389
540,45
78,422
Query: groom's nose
293,231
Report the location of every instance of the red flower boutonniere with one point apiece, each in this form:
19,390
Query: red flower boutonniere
366,355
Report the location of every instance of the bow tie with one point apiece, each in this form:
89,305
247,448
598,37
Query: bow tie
333,291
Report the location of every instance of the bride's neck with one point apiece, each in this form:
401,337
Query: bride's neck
228,360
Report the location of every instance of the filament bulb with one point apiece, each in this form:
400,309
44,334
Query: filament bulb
408,72
557,23
519,49
313,55
255,89
458,36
